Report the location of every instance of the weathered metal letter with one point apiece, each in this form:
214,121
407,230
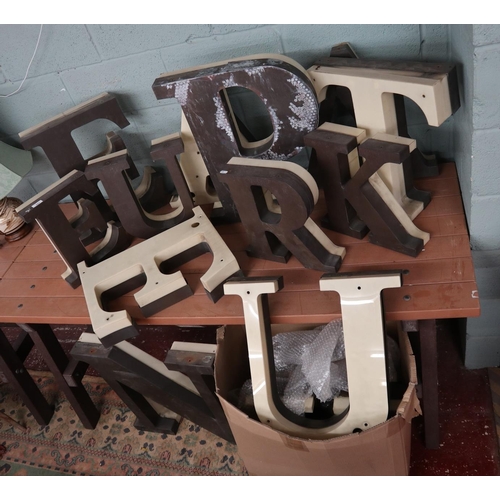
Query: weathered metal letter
44,207
112,169
274,234
285,90
336,159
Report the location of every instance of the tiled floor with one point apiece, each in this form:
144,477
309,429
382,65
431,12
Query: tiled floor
469,443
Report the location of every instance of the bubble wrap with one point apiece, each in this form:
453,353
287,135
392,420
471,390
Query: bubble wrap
313,362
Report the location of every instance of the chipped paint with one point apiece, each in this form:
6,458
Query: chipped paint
271,155
181,89
276,123
229,82
306,113
255,71
246,63
181,92
221,118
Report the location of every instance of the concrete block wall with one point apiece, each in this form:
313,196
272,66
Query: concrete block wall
483,134
77,62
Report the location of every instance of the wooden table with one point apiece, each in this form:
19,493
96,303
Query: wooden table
438,284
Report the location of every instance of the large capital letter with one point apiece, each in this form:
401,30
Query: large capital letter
342,55
348,186
143,264
45,208
54,136
285,90
112,170
372,90
363,325
390,226
335,155
373,86
272,235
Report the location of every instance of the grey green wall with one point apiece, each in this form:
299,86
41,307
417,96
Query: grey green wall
477,149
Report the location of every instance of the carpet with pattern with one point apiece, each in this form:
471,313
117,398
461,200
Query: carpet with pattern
115,447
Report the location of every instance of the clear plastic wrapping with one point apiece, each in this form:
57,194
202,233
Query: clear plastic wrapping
312,363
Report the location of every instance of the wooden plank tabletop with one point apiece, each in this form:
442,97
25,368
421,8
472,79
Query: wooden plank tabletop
438,284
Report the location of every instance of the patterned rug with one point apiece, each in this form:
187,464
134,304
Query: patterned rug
494,376
114,448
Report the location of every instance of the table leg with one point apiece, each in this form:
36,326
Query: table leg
11,363
429,368
57,361
428,377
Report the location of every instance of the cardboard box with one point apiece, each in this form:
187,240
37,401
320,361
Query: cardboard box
382,450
